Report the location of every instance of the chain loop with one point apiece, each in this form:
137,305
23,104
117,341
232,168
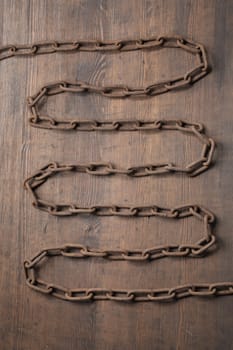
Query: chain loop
104,169
116,91
200,248
91,294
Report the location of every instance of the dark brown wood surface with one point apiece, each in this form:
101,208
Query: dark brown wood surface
30,320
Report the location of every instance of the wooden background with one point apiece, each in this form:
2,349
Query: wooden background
30,320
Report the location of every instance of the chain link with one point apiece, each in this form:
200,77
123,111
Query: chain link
159,42
105,169
184,211
46,47
91,294
116,91
80,251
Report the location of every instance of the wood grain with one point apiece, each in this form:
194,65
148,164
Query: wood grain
30,320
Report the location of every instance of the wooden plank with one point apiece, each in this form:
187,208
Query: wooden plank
30,320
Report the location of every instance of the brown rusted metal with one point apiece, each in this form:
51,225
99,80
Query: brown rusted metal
133,295
103,169
196,249
115,91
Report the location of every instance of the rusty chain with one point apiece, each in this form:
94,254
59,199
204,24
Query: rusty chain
45,121
47,47
198,249
103,169
66,209
122,295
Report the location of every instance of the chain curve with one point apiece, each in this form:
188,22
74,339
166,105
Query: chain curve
115,91
120,295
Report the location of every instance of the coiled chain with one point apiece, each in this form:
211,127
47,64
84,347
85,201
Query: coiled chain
122,295
47,47
105,169
45,121
197,249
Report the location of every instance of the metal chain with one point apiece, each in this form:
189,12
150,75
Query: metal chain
197,249
46,121
47,47
105,169
79,251
92,294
